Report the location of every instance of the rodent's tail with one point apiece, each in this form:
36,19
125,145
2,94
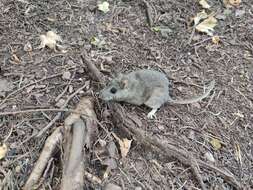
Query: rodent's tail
195,99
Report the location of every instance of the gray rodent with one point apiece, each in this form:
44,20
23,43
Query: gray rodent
148,87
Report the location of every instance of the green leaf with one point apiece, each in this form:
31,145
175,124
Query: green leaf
156,29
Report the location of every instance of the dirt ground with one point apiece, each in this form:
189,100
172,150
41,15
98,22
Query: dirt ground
220,125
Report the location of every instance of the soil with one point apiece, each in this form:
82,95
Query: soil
190,60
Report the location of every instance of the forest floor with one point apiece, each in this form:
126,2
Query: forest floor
217,130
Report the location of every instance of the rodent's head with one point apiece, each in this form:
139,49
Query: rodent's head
115,90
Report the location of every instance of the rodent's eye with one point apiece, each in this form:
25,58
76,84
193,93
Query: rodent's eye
113,90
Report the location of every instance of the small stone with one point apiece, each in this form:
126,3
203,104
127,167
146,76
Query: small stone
66,75
209,156
71,89
239,13
60,103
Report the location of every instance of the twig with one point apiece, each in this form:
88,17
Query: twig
23,87
96,75
228,177
73,157
65,89
47,151
79,132
192,34
148,13
35,110
58,116
168,150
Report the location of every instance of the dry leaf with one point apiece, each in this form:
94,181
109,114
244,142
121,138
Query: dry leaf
16,59
49,40
216,40
3,151
124,144
235,2
200,16
207,25
204,4
227,4
215,143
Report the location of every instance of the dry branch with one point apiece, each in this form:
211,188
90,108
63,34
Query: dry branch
95,73
45,155
80,130
73,158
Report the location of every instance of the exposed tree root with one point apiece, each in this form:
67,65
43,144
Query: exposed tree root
169,150
80,129
50,146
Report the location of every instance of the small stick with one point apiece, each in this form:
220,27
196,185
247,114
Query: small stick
148,12
35,110
96,75
50,145
20,89
58,116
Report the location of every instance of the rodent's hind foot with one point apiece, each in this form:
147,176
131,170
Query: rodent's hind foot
151,114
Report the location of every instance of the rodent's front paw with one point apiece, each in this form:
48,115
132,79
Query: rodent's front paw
151,114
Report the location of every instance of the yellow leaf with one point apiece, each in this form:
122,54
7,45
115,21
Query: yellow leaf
204,4
104,7
216,40
215,143
124,144
200,16
234,2
207,25
3,151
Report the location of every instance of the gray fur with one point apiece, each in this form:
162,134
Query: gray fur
144,86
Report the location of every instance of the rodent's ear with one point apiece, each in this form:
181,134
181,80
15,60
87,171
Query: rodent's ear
123,83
